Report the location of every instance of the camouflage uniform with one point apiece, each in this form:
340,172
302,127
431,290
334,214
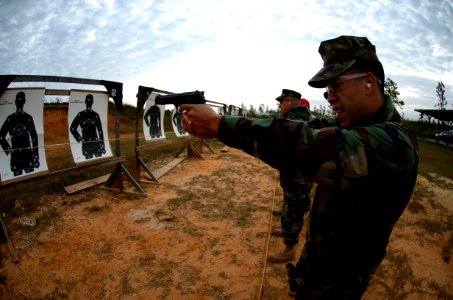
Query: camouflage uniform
296,191
365,176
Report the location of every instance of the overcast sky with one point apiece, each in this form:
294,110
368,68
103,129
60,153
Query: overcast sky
237,52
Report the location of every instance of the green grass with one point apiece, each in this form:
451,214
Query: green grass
435,158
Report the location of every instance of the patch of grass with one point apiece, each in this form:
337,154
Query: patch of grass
436,158
439,181
185,199
189,274
143,220
95,208
148,259
126,287
48,217
105,249
421,192
234,259
194,231
161,279
399,270
135,237
55,295
213,205
440,292
213,243
254,250
216,291
432,226
82,197
415,206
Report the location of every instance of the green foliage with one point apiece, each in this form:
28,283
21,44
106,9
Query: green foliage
322,111
263,112
440,92
391,89
425,129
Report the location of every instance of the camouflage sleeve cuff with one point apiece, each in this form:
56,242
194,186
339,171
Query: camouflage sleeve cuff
227,133
227,124
231,121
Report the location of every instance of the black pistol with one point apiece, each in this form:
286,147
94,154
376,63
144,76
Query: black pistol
195,97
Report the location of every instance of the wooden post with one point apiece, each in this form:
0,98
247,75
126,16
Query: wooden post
11,249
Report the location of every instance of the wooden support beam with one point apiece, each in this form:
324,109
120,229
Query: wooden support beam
11,249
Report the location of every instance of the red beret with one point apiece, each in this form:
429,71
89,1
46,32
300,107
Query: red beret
305,102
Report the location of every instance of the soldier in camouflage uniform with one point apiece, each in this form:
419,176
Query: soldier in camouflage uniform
364,162
296,189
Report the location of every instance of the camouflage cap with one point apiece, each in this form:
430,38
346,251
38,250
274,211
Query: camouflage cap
288,93
339,55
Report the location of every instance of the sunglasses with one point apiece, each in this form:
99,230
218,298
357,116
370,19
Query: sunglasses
330,88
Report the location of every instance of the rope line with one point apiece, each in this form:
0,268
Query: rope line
61,144
77,143
268,238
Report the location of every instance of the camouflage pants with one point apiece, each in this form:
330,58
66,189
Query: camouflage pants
313,284
296,201
352,290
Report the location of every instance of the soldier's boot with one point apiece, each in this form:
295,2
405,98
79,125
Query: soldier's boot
292,272
288,254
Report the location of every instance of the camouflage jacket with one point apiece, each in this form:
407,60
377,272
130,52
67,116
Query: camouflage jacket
365,178
300,112
292,179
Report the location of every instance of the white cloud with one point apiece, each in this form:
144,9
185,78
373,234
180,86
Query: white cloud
237,51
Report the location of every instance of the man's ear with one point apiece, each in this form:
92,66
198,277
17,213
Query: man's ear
371,83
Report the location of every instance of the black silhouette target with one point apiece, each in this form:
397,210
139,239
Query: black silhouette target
153,119
88,125
21,133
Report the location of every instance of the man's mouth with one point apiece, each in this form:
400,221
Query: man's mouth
337,111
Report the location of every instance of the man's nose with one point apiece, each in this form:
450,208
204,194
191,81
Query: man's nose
330,97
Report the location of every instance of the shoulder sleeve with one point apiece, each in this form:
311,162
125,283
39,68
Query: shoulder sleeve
368,150
322,150
281,143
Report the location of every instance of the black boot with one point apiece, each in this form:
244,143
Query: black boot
292,273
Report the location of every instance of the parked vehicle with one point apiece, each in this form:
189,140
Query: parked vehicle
445,136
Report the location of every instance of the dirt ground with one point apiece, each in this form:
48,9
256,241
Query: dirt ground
203,232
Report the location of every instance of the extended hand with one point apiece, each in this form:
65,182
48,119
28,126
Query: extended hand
200,120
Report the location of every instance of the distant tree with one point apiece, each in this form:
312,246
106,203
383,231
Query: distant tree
322,111
440,91
252,111
391,89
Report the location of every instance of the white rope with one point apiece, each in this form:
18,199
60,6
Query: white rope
268,238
